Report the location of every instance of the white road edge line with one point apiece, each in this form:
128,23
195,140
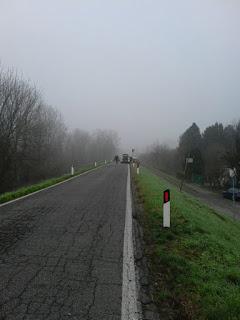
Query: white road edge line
129,291
54,185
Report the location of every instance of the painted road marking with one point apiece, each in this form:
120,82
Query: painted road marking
129,292
54,185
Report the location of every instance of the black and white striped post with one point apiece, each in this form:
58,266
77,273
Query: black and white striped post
166,209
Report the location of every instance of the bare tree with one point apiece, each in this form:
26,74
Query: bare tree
34,142
31,134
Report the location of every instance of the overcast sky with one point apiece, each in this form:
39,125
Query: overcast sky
146,68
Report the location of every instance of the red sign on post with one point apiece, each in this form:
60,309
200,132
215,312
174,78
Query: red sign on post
166,196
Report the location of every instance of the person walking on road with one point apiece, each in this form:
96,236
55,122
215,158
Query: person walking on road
116,159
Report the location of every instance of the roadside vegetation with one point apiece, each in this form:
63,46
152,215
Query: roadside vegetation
194,265
8,196
214,151
35,143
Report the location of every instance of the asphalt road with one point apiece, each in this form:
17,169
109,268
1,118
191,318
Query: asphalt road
61,250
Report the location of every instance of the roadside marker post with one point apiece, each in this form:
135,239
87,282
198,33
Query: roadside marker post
105,161
133,162
138,167
72,170
166,209
95,164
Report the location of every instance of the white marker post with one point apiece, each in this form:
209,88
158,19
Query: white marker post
166,208
72,170
105,161
138,167
95,164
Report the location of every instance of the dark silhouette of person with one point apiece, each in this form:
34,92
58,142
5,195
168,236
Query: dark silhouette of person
116,159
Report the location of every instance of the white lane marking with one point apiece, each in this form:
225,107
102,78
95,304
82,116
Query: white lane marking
129,294
54,185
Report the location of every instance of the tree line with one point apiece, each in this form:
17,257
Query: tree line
214,151
35,143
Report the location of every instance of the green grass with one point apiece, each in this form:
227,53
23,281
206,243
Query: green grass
195,265
8,196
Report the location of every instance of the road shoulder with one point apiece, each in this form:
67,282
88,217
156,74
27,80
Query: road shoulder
144,286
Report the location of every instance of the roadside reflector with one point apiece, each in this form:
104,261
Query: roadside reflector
166,208
166,196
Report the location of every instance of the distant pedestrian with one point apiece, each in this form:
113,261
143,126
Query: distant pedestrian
116,159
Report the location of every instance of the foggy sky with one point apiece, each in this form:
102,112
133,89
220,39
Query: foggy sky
145,68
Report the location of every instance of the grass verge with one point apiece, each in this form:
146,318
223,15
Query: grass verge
8,196
194,265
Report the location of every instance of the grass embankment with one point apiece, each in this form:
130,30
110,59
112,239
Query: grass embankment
8,196
195,265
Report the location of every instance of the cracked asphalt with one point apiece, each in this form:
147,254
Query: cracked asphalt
61,250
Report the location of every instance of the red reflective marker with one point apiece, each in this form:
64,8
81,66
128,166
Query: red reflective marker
166,196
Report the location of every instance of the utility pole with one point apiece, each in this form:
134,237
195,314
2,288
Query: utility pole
232,173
